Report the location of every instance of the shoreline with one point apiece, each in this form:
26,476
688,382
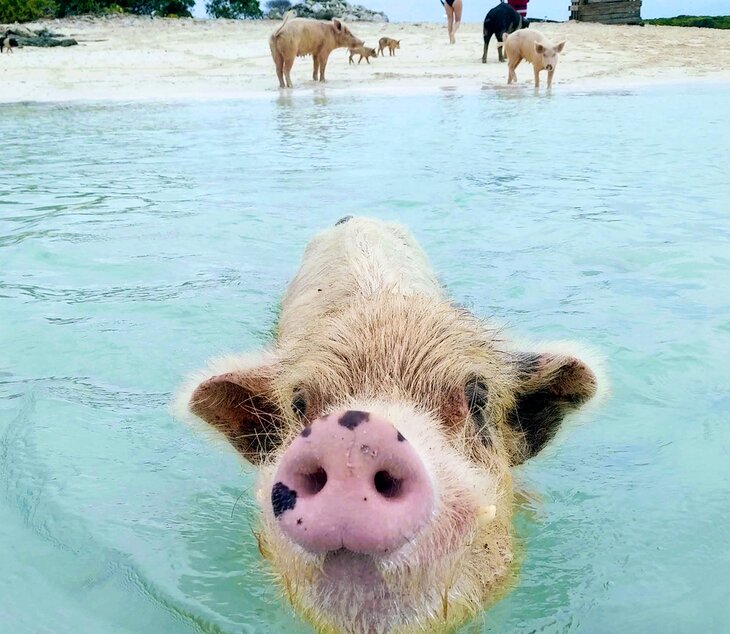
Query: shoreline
409,90
136,59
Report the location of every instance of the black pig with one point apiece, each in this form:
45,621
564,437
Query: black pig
500,20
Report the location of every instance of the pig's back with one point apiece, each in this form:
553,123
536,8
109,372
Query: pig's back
361,257
523,43
303,35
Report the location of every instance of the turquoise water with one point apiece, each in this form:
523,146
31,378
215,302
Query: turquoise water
136,241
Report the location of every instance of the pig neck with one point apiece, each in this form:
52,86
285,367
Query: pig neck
355,261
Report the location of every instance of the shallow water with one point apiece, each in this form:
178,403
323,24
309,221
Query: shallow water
138,240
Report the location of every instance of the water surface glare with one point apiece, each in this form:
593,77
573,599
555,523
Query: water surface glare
136,241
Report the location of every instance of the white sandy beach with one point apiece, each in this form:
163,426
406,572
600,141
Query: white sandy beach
134,58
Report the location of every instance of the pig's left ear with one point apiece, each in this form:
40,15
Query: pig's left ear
559,48
549,387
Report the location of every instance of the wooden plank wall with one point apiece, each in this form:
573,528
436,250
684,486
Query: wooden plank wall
606,11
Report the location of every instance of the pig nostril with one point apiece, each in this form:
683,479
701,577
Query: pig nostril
314,482
387,485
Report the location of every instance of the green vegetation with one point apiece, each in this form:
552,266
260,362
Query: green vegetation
29,10
702,21
233,9
26,10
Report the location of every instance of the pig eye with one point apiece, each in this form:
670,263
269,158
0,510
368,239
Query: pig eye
476,395
299,404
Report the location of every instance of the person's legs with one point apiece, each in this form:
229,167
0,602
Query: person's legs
450,17
458,8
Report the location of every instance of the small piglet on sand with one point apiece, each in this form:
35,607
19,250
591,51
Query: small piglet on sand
389,43
384,420
536,49
300,37
7,43
363,51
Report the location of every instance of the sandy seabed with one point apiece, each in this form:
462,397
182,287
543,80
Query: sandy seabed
134,58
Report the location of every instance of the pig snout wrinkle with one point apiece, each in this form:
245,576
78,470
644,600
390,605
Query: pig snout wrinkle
352,481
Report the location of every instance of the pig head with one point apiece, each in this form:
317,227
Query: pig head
384,422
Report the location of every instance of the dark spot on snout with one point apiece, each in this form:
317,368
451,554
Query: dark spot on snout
401,437
343,220
282,498
353,418
306,431
299,521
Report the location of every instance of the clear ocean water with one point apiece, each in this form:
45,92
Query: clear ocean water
138,240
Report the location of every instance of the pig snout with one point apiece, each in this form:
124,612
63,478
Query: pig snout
549,67
352,481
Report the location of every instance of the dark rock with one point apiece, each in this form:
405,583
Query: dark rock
42,37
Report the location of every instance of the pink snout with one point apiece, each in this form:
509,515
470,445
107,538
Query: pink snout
352,481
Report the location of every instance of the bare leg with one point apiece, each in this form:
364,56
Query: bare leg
500,47
322,65
458,8
486,44
315,71
450,26
537,76
550,78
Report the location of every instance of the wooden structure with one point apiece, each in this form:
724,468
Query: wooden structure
606,11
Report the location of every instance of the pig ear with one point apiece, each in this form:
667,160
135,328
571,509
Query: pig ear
559,48
549,386
539,48
337,23
241,405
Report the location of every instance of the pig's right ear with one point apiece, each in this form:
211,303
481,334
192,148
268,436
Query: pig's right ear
238,402
337,23
539,48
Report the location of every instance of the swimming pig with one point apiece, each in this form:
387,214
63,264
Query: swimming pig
536,49
389,43
384,421
498,21
363,51
301,36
